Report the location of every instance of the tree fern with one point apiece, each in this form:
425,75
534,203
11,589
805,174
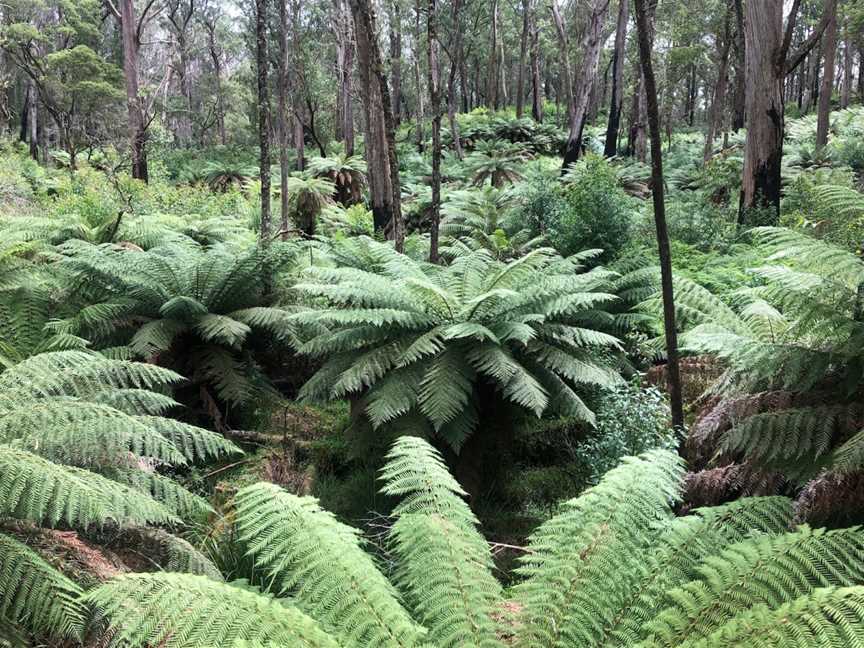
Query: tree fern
35,596
319,562
614,568
181,610
403,337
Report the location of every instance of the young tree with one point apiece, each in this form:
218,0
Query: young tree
283,116
673,374
262,61
523,50
536,83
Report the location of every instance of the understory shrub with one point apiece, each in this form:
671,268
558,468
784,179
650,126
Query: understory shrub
597,213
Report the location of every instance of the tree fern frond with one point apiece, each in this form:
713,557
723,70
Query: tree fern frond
32,488
36,596
319,561
186,611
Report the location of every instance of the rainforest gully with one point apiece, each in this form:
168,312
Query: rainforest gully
431,323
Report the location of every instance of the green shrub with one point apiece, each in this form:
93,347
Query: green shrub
597,212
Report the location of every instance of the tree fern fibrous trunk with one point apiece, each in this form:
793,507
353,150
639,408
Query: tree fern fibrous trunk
653,113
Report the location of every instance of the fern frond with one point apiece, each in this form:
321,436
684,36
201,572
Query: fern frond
186,611
36,596
318,560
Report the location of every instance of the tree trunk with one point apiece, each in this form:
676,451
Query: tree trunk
846,94
381,133
829,52
297,87
617,100
283,120
738,100
812,90
346,74
435,108
456,50
492,79
536,84
137,127
590,48
396,61
673,375
421,107
523,51
217,74
262,62
764,106
718,103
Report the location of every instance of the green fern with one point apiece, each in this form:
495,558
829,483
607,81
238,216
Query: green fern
294,541
406,338
614,568
181,610
35,596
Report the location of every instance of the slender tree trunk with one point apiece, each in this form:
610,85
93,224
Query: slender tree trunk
718,103
617,100
396,61
435,108
812,90
492,79
536,84
383,162
523,51
643,30
455,49
846,93
298,88
345,64
220,96
421,107
590,48
284,131
829,52
137,126
739,94
262,62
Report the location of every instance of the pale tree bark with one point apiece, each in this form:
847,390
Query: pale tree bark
768,61
718,102
435,108
564,61
590,49
616,101
130,27
215,52
829,53
421,106
262,62
673,375
846,92
345,66
179,16
381,133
